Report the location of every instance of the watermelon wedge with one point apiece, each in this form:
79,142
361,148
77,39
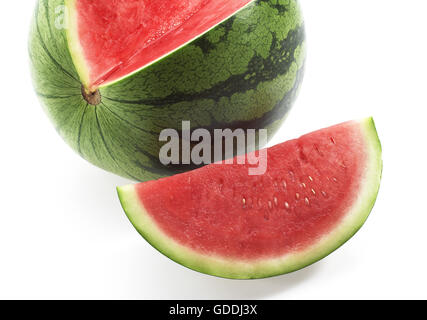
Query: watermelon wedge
317,192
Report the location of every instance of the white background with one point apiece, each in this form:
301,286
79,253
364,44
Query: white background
63,233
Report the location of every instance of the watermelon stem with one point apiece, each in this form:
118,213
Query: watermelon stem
92,97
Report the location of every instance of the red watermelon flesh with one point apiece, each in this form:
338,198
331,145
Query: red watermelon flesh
112,39
317,192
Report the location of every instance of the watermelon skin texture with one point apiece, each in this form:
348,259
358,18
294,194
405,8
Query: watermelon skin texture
243,73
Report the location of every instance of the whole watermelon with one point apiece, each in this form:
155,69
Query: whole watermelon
243,73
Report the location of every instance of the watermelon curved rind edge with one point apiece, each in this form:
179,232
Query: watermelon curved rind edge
264,268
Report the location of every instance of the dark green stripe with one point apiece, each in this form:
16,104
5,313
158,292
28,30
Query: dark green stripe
108,148
259,70
79,148
127,122
155,166
206,46
47,96
277,113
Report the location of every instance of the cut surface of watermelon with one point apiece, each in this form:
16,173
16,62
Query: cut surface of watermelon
110,40
317,192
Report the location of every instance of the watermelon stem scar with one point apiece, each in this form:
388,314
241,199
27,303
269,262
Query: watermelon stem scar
92,97
316,194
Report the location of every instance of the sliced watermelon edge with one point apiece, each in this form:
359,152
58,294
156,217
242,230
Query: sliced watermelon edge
264,268
77,54
74,46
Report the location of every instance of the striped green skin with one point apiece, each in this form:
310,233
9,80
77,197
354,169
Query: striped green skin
243,73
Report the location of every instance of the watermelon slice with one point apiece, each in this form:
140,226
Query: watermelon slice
132,34
317,192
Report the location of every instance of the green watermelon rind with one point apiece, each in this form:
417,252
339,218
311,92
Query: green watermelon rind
243,73
234,269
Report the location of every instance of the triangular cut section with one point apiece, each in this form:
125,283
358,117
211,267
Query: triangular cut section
112,39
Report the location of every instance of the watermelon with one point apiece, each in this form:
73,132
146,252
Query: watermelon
317,192
112,75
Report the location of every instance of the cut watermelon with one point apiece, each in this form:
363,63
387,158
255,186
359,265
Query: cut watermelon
317,192
112,75
112,40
